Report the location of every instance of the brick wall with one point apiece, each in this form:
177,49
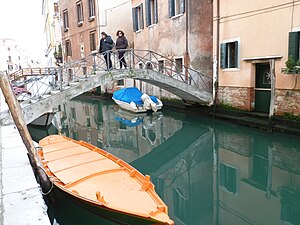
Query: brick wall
237,97
287,101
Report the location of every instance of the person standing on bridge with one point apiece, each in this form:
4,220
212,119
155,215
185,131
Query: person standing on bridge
121,45
106,45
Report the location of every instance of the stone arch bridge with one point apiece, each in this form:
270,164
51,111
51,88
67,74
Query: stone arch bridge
41,90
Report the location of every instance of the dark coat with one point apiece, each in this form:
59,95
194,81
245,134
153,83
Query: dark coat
106,44
121,43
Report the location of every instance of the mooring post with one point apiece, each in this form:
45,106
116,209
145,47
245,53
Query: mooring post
17,115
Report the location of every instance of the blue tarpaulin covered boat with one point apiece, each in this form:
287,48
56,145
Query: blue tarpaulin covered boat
135,101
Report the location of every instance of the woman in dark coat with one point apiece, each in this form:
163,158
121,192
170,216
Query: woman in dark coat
121,45
106,45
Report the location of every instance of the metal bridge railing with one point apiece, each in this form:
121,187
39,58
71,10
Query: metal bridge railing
34,83
136,59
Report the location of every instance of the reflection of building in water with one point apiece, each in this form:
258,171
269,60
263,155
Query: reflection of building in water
185,181
95,123
175,153
257,179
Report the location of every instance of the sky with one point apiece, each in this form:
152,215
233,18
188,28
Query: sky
22,20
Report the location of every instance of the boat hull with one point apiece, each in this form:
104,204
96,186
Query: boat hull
100,182
44,120
128,107
103,212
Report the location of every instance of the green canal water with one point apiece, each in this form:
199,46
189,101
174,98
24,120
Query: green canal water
206,171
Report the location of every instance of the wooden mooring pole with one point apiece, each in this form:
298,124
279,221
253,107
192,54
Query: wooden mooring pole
17,115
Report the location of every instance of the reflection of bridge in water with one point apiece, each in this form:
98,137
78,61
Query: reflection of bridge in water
51,86
206,171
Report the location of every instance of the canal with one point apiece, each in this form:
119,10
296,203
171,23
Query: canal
207,171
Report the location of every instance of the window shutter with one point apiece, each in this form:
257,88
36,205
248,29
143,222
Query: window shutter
134,19
142,16
236,46
155,12
223,55
171,8
294,45
148,13
182,5
222,174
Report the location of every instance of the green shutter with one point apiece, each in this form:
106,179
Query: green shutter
294,45
171,8
222,174
223,54
148,13
155,12
182,6
231,182
134,19
236,47
142,16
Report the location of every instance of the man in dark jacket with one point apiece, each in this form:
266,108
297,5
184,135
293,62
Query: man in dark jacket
106,45
121,45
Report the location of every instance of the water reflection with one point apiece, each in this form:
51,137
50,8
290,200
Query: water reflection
207,172
256,177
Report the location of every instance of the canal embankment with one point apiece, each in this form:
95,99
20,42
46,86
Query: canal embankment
245,118
21,200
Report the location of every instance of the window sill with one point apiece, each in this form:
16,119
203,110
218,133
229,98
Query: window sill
138,31
291,71
66,29
177,16
152,25
79,24
91,18
230,69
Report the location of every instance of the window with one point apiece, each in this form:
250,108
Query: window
66,20
88,121
120,82
161,66
68,48
93,46
91,10
228,177
9,58
73,113
10,67
176,7
151,12
178,65
79,13
56,10
84,70
138,18
294,45
149,66
229,54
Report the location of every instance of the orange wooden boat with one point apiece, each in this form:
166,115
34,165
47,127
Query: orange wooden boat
101,182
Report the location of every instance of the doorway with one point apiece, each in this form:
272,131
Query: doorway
262,87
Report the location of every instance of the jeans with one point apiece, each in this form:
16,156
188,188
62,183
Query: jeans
107,58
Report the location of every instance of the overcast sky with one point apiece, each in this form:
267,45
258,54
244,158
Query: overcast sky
22,21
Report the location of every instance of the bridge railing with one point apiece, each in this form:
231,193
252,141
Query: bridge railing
136,59
33,83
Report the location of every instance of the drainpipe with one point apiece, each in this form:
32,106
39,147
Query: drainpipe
98,20
187,58
216,59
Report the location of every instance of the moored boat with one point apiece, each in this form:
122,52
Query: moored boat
101,182
133,100
44,120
